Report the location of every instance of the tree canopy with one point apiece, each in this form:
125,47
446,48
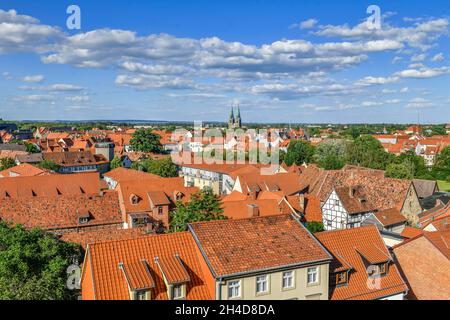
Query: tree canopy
299,152
48,165
441,169
366,151
331,155
203,206
7,163
144,140
115,163
164,167
33,265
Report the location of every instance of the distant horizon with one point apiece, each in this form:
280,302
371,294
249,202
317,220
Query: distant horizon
137,122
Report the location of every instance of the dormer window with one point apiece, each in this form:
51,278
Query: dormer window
134,199
83,220
141,295
177,291
341,278
160,210
378,270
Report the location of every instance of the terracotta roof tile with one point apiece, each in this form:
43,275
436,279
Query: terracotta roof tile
390,217
24,170
63,211
109,280
173,269
247,245
138,274
50,185
347,246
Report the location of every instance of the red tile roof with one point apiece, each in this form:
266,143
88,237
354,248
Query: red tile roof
173,269
64,211
249,245
83,237
50,185
24,170
108,280
390,217
348,247
410,232
77,158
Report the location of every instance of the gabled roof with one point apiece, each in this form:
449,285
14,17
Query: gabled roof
121,174
234,247
142,187
50,185
348,247
158,198
390,217
63,211
137,274
83,237
23,170
425,263
381,193
173,269
77,158
109,281
424,188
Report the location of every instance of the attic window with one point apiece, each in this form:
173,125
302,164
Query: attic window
82,190
378,270
341,278
33,193
59,192
134,199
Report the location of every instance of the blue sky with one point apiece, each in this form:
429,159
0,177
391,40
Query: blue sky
280,61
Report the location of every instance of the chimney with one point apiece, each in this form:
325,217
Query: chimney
253,210
301,199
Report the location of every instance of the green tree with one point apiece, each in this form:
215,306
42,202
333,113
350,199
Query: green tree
164,167
399,171
331,155
145,140
116,163
48,165
33,265
417,163
366,151
203,206
441,168
32,148
6,163
315,226
299,152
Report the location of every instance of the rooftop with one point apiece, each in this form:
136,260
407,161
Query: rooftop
249,245
350,247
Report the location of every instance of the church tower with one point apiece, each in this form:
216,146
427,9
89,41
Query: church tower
231,120
235,122
238,123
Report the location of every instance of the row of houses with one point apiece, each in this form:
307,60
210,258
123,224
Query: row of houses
263,250
412,140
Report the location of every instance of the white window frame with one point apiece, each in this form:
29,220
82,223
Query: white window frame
177,291
312,271
262,281
141,295
288,275
231,287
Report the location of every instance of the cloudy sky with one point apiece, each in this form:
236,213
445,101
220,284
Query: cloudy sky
286,61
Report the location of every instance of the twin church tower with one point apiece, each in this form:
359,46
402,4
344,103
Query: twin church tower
235,121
